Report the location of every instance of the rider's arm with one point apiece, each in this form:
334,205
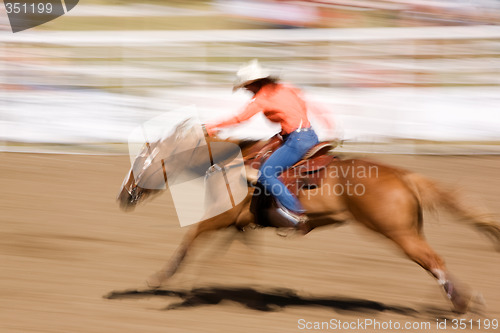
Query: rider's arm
251,110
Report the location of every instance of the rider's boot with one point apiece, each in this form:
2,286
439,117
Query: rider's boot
298,221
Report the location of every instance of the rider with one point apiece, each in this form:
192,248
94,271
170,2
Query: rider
282,104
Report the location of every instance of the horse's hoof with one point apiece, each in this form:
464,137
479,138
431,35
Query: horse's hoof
155,281
304,227
289,232
285,232
461,301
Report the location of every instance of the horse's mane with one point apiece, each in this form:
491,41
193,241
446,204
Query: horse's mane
183,128
245,143
189,128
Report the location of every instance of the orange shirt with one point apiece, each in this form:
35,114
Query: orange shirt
280,103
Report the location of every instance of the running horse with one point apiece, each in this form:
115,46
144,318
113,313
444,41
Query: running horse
388,200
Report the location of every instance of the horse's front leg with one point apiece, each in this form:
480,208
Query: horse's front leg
221,221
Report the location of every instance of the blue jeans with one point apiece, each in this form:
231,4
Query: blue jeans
294,147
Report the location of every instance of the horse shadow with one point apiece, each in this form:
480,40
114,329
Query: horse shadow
269,300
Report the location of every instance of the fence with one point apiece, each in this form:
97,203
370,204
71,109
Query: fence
425,56
398,82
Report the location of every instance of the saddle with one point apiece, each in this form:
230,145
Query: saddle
308,173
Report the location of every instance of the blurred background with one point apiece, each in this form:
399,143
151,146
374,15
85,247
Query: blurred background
401,77
406,72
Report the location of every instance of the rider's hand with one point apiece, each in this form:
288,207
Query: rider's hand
210,131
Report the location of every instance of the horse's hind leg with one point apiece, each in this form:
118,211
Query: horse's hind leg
417,249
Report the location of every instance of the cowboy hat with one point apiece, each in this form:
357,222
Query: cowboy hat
248,73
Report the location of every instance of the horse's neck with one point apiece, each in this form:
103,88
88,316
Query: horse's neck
247,147
219,150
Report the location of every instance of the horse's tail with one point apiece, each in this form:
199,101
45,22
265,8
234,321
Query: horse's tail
431,196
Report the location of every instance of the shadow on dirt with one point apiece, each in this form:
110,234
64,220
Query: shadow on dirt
268,300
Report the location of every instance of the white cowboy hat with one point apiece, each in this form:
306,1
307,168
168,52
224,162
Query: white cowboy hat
248,73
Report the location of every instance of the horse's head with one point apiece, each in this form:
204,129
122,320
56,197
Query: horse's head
148,174
133,190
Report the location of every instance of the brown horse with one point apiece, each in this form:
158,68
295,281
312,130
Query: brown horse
387,200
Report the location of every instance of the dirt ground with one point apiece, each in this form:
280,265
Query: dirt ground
71,261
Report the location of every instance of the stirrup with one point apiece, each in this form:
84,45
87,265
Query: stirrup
295,218
298,222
